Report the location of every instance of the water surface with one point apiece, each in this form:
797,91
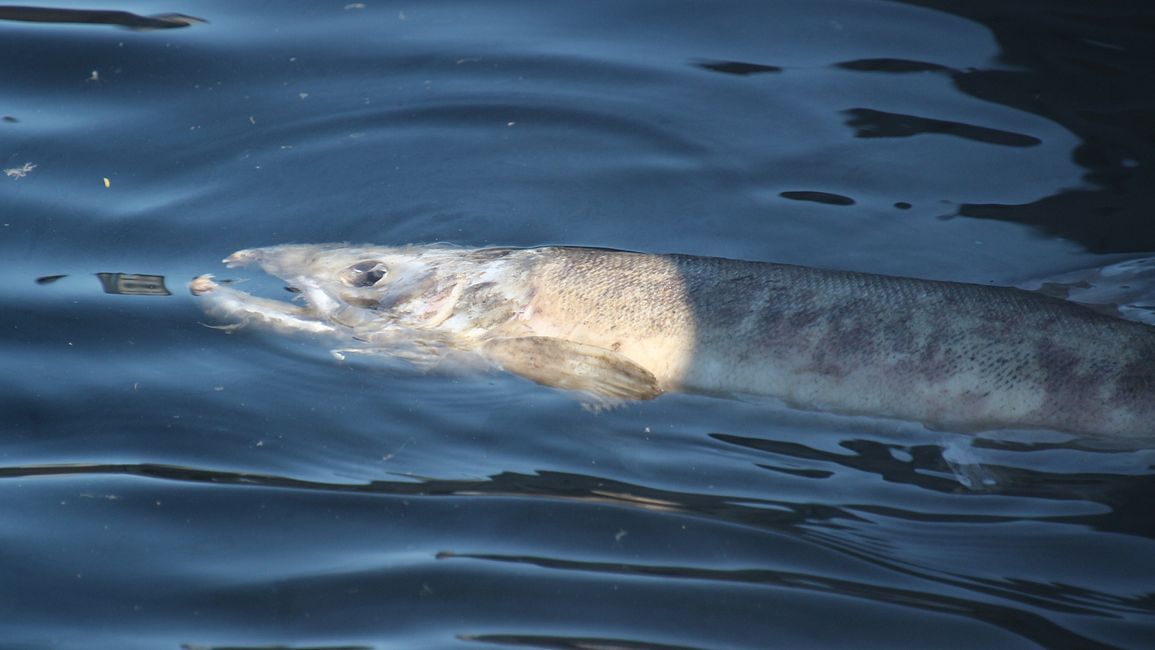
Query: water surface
164,484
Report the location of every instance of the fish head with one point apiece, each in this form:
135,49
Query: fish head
356,286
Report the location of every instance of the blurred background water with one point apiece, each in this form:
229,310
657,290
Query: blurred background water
167,485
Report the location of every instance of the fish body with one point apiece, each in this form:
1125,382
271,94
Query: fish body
624,325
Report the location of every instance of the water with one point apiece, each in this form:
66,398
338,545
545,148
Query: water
164,484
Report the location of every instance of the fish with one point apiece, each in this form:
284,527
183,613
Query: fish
621,325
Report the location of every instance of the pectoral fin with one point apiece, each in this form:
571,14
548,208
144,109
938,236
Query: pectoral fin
573,366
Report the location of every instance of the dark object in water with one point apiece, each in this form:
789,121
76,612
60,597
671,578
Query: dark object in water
96,17
133,284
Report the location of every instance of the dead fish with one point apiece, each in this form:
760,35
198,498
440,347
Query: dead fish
622,325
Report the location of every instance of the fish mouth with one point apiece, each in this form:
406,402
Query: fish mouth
293,264
333,283
316,305
285,260
272,265
208,282
240,258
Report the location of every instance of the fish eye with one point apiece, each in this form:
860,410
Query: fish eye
364,274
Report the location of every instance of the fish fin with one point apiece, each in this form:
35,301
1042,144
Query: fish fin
565,364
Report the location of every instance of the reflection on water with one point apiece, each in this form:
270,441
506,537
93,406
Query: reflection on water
826,198
892,65
121,284
858,530
737,67
869,123
97,17
133,284
1124,290
1034,627
198,646
1087,68
569,642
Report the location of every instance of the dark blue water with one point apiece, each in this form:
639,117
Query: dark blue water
168,485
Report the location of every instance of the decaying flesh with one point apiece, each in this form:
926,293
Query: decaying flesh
623,325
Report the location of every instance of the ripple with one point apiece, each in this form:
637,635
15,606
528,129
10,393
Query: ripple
737,67
870,123
826,198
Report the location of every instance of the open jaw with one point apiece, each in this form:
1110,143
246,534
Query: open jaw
328,300
240,308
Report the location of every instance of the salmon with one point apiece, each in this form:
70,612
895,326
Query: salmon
621,325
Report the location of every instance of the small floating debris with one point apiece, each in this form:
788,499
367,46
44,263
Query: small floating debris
21,171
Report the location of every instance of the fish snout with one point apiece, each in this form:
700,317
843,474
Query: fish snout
241,258
286,259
